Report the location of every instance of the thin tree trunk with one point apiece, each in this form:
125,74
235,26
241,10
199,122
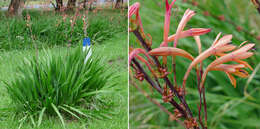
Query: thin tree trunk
59,5
118,3
71,4
16,7
84,4
90,5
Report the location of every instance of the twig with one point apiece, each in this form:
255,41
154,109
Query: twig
174,74
257,5
205,107
151,82
172,117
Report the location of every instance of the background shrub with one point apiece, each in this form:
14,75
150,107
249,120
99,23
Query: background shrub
49,28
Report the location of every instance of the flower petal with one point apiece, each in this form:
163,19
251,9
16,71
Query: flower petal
217,38
241,73
244,63
224,68
232,79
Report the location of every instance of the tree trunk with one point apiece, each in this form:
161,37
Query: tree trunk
90,8
71,4
59,5
118,3
16,7
84,4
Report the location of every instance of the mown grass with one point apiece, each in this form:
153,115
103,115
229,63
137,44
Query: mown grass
228,107
10,60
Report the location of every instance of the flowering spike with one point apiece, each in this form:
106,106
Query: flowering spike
241,53
170,51
235,55
218,48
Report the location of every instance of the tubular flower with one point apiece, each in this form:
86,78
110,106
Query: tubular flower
186,17
219,46
187,33
167,20
134,10
239,54
170,51
197,39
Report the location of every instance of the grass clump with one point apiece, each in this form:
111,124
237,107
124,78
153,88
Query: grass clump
59,85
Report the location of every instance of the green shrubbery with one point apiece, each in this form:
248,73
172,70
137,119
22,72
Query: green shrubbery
49,29
59,85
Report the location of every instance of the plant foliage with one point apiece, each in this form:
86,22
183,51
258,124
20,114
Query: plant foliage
59,85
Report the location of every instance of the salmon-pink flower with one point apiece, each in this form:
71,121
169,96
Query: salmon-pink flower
134,54
186,17
219,46
170,51
187,33
239,54
134,10
230,70
167,20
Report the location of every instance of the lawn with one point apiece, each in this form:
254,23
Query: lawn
109,41
228,107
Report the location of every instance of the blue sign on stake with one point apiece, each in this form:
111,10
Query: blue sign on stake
86,45
86,41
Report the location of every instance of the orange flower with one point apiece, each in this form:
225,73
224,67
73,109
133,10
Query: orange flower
219,46
239,54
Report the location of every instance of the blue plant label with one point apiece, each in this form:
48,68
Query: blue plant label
86,41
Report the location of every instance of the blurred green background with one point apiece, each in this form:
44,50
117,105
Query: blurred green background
228,107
